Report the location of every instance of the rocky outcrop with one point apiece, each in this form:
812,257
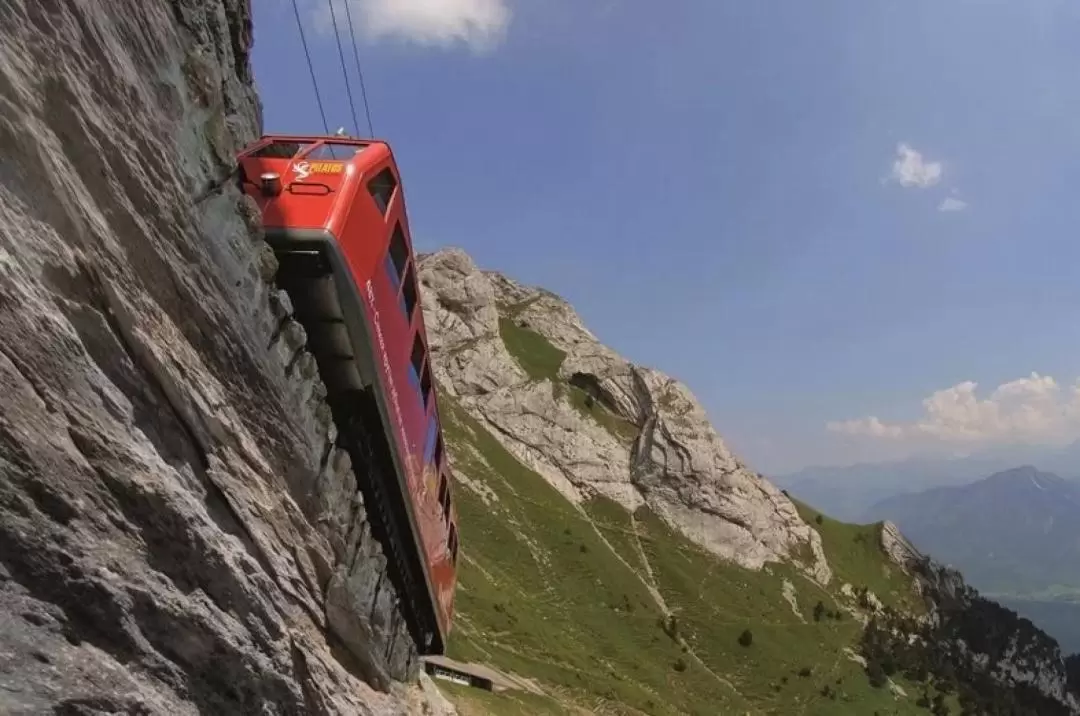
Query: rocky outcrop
172,508
598,424
898,548
993,655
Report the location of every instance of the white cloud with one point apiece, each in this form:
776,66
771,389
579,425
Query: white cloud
951,203
478,24
911,169
870,426
1033,410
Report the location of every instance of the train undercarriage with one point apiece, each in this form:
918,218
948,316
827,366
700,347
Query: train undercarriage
306,271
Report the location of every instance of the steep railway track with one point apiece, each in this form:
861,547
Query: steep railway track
333,212
400,627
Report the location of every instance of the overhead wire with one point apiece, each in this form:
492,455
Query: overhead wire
311,67
341,54
360,72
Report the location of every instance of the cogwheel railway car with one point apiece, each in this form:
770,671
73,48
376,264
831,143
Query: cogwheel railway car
334,212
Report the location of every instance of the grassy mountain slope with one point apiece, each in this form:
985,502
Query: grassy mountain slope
613,612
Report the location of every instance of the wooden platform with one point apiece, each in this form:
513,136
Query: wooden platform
475,675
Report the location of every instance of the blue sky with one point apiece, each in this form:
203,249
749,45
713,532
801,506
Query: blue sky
713,184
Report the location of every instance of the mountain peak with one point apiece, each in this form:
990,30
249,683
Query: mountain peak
1026,475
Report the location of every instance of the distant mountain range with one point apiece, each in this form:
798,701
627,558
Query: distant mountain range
847,492
1014,535
1016,527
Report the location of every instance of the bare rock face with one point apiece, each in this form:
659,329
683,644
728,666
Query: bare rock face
463,326
172,507
642,439
898,548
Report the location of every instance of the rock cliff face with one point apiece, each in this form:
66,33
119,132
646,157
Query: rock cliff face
172,507
592,423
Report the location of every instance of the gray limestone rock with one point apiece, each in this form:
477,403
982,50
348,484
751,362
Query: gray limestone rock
172,507
653,446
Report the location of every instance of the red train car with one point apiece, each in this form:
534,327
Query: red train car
334,211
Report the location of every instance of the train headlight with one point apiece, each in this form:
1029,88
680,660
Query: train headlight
270,183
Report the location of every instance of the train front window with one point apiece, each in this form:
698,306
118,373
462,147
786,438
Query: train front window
381,188
339,151
282,149
279,150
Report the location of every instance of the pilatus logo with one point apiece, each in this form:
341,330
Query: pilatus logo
304,169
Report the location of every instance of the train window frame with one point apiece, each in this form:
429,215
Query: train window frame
437,458
397,263
452,540
398,252
409,294
418,355
418,363
277,148
382,188
329,151
446,495
426,390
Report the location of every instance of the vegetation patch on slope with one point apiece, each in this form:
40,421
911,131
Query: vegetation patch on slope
739,623
621,428
856,557
541,361
534,353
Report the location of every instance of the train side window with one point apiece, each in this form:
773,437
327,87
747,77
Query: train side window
418,355
444,496
409,292
425,384
431,444
381,188
437,459
399,251
396,257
